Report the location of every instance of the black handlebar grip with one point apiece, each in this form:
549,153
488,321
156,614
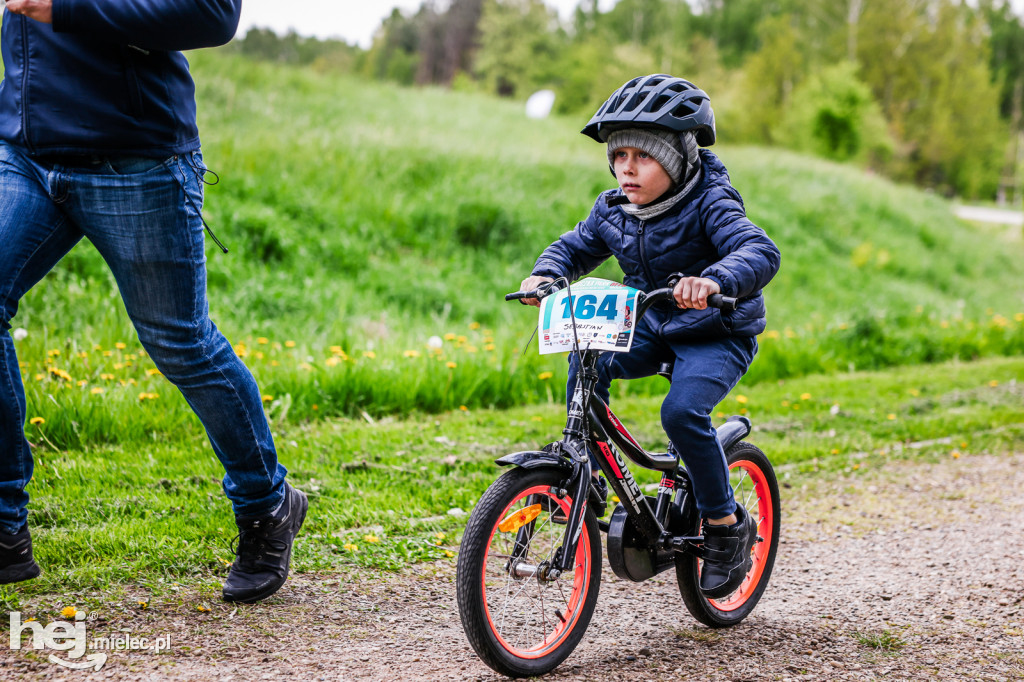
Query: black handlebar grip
722,302
517,295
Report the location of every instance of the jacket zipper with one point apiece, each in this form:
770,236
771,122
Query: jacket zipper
24,84
643,256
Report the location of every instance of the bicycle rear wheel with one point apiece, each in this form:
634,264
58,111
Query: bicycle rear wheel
756,488
520,623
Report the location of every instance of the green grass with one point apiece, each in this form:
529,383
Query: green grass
364,219
150,517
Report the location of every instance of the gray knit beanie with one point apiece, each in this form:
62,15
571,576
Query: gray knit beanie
666,147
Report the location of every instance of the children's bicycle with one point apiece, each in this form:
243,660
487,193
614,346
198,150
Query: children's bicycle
529,568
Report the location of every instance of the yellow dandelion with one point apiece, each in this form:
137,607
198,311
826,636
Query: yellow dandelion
741,399
544,376
267,398
96,390
118,365
69,612
449,554
289,344
259,355
449,337
36,421
350,547
120,346
369,354
439,536
144,604
461,339
993,383
315,407
81,382
772,334
474,325
470,349
107,376
203,608
720,414
1019,317
536,419
955,454
489,347
83,355
305,366
463,408
805,396
97,346
743,410
914,392
411,353
275,363
263,340
153,371
53,353
40,377
835,451
450,365
372,539
337,350
108,353
332,361
890,416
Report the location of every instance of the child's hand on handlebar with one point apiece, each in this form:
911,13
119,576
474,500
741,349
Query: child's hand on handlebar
693,292
531,283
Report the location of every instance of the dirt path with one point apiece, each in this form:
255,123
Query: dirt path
911,572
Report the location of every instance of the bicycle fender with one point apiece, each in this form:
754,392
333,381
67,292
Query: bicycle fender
733,431
533,459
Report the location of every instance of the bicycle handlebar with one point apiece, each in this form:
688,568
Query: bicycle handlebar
658,295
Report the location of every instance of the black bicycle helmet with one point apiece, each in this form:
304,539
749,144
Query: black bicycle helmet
656,101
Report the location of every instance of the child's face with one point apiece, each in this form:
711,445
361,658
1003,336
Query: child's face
641,177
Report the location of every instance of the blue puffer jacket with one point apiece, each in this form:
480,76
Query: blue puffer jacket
108,75
707,234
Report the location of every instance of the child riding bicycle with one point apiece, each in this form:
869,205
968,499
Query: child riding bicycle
675,213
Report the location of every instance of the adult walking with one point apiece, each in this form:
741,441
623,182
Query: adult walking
98,139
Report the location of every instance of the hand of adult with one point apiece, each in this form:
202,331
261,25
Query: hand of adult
693,292
529,284
40,10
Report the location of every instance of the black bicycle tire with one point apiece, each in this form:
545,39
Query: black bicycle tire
688,575
470,591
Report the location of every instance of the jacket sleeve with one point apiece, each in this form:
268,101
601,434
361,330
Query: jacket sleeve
170,25
748,258
575,253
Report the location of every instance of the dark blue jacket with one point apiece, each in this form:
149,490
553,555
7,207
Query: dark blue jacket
108,75
707,234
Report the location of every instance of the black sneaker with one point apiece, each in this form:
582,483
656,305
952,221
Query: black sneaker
727,555
598,501
16,562
264,550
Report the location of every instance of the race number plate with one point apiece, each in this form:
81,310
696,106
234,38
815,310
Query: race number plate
604,312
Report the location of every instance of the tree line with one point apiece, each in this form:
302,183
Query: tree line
926,91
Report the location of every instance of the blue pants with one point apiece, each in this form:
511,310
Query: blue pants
703,374
142,216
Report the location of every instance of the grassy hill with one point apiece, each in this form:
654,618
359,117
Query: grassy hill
364,218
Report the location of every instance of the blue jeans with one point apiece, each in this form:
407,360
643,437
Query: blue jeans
703,374
142,216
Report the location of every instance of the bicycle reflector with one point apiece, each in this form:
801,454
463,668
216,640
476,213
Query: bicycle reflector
517,520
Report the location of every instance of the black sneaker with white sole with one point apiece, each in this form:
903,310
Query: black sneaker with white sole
727,555
264,550
16,562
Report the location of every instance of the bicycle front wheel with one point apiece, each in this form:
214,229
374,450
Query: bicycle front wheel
756,488
519,620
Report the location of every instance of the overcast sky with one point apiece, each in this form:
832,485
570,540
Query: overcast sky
352,20
356,20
